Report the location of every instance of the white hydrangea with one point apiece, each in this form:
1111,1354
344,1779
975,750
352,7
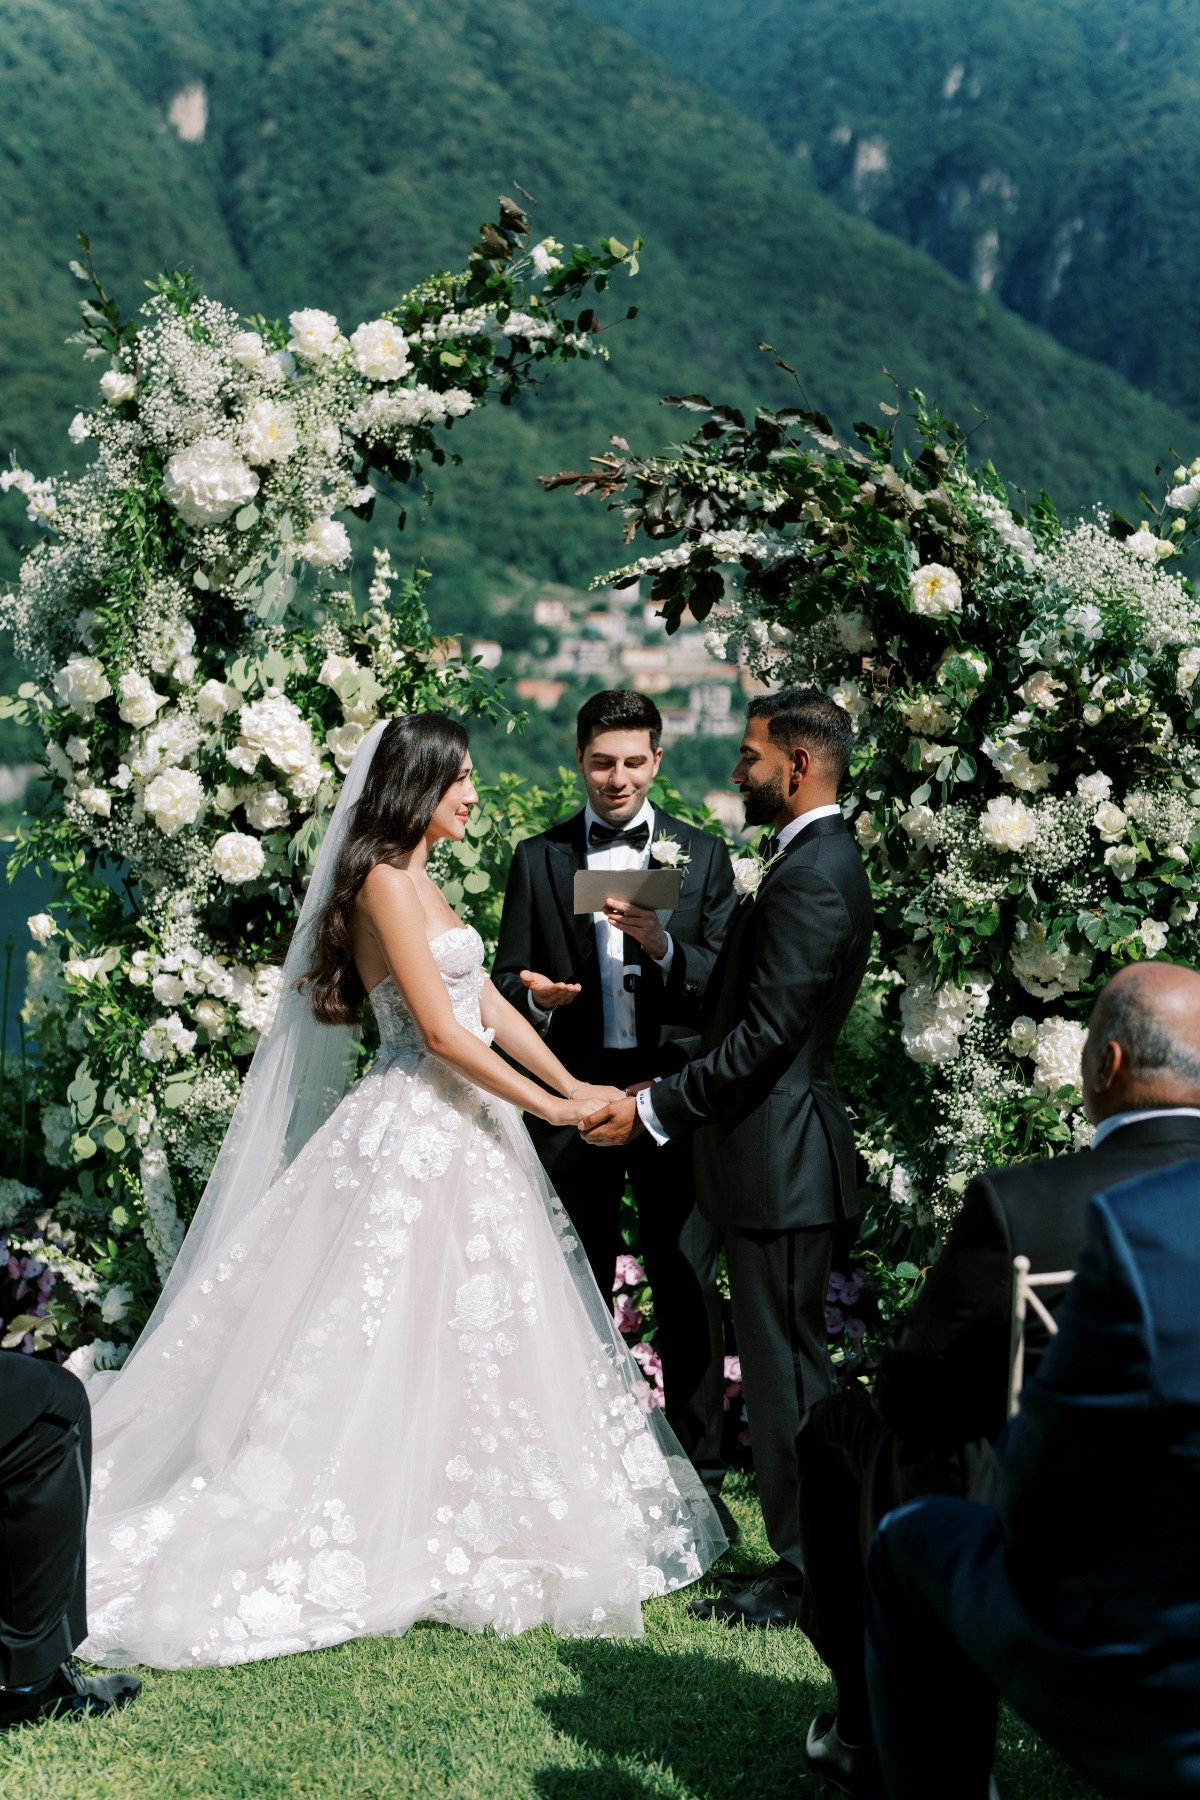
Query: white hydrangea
935,591
81,684
266,808
173,800
269,432
315,335
380,351
208,482
1007,824
238,858
1045,973
139,705
275,727
326,544
933,1019
1057,1059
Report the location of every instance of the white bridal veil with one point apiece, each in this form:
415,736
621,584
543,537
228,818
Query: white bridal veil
300,1071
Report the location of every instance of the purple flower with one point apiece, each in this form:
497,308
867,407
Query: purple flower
834,1322
843,1289
856,1329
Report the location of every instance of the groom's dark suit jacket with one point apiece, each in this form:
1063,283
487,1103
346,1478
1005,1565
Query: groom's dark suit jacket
540,930
774,1147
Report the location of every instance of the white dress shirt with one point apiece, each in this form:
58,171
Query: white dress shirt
645,1104
619,1006
1116,1121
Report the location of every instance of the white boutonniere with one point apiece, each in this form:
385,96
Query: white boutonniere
748,872
670,853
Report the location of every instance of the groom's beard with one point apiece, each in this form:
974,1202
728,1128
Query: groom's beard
764,801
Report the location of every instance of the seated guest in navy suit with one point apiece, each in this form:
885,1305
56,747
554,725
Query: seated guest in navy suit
941,1393
1077,1597
45,1474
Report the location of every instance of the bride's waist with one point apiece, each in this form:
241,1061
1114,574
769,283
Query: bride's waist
414,1049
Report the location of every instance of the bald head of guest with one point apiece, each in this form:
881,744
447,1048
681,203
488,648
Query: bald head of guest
1143,1043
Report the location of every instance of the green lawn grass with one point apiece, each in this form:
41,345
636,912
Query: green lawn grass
692,1711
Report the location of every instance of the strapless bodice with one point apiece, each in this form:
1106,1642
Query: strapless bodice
458,954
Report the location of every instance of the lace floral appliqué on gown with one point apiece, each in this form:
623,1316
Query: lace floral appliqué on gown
398,1395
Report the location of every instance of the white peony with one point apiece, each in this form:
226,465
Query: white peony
208,482
173,800
854,630
380,351
118,386
343,742
326,544
748,872
267,1614
96,800
139,704
1056,1058
1153,936
238,858
315,335
275,727
81,684
269,432
215,699
41,927
935,591
1109,821
1007,824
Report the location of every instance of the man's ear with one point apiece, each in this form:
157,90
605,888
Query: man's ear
1112,1061
801,764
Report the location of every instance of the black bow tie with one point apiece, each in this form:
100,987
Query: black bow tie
601,836
768,847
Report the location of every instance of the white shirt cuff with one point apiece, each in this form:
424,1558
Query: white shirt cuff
540,1018
649,1117
667,958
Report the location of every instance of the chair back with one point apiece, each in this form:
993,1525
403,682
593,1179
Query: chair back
1025,1298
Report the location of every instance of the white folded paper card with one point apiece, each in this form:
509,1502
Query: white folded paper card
655,889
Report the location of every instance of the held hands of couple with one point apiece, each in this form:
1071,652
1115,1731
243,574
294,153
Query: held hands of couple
584,1098
613,1123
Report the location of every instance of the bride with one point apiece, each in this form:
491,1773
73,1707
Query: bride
383,1386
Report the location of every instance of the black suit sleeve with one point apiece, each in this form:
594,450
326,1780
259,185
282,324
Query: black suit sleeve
514,950
692,963
803,934
944,1379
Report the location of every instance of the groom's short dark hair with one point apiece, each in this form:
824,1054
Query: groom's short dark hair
618,709
810,718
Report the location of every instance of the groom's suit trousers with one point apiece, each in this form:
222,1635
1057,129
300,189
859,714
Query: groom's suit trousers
45,1472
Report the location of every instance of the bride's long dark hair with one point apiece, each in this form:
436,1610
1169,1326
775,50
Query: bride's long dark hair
416,759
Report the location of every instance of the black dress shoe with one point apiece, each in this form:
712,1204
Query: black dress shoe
846,1765
67,1691
765,1602
729,1524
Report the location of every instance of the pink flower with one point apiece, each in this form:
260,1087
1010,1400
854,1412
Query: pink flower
630,1272
733,1368
628,1318
649,1360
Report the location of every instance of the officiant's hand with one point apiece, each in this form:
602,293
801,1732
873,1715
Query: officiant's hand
612,1124
639,923
548,994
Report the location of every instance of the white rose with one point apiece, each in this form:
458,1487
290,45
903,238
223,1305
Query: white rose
1092,714
1022,1036
139,703
335,668
81,684
343,742
935,591
41,927
248,349
1094,787
266,808
665,850
208,482
116,1304
238,858
1007,824
1184,498
315,334
118,386
866,831
380,351
1041,689
1122,859
1188,670
173,800
95,800
920,822
1153,935
1109,821
854,630
326,544
747,875
269,432
215,699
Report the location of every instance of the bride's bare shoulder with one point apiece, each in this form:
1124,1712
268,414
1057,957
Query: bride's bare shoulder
388,889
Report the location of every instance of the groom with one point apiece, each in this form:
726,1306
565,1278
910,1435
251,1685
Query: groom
612,993
774,1148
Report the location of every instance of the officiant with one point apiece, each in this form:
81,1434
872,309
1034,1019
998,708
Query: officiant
613,992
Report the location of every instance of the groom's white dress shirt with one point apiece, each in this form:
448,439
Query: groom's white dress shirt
620,1009
645,1104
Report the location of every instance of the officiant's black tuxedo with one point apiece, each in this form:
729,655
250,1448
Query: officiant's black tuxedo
540,930
773,1146
941,1393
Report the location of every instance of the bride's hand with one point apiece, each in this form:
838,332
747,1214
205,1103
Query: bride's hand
584,1100
597,1092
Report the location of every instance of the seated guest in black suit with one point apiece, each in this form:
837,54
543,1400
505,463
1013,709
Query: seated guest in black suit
45,1475
942,1388
1077,1597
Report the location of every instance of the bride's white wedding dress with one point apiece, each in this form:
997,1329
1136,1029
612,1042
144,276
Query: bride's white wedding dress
396,1394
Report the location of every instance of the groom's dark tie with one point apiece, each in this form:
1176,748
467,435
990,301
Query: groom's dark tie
601,836
769,847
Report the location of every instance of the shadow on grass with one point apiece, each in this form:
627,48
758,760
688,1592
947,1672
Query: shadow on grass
706,1726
